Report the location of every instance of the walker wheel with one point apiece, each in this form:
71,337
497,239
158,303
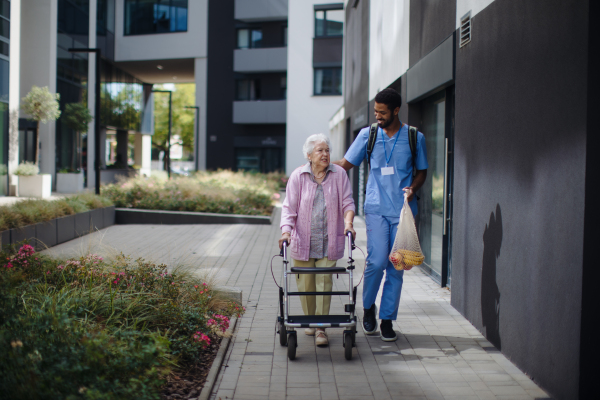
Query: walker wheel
348,345
291,343
282,333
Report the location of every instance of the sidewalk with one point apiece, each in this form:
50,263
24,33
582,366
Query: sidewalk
439,354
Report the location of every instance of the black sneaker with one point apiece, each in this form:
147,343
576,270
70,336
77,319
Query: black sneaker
387,331
370,320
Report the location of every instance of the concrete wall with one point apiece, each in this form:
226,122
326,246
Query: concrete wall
38,64
306,114
190,44
431,22
519,180
388,43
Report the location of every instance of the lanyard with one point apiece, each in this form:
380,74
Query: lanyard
387,160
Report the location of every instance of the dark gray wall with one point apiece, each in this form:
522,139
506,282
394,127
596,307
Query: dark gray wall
431,21
221,89
328,51
589,350
520,169
356,73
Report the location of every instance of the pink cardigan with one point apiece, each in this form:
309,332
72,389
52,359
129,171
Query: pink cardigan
297,211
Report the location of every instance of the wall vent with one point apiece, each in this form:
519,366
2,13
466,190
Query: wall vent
465,29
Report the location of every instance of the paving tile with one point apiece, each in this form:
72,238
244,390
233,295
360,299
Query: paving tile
439,354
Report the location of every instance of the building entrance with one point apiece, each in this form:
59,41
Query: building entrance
436,195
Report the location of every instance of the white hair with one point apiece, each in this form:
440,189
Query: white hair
311,141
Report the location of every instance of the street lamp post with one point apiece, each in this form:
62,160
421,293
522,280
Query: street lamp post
197,141
170,127
96,113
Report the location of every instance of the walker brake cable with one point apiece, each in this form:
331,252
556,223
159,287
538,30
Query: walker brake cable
272,274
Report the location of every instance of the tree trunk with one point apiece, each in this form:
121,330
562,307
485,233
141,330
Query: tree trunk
37,144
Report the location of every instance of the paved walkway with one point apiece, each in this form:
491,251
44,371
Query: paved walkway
439,354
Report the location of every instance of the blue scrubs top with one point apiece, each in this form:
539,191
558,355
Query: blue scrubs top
384,192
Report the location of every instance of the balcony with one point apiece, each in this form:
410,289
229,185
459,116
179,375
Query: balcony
261,10
259,112
273,59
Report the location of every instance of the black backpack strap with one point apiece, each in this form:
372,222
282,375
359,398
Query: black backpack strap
412,142
371,141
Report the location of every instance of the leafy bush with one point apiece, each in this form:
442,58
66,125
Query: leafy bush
96,329
29,212
223,192
27,169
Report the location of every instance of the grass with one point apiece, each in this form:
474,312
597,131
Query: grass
29,212
223,192
98,328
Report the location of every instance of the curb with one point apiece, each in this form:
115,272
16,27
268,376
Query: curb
165,217
211,378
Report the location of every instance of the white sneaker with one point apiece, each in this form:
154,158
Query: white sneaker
309,331
321,338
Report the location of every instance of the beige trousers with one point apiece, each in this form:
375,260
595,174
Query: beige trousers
315,305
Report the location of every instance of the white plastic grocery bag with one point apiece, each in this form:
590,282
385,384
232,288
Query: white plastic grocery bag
406,251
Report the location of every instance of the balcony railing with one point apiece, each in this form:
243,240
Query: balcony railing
272,59
259,112
261,10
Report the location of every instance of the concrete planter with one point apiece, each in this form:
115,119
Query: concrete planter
24,233
110,175
163,217
5,237
97,219
69,182
46,235
35,186
109,215
82,224
65,229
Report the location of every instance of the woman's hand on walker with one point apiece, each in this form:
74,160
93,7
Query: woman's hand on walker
348,227
285,237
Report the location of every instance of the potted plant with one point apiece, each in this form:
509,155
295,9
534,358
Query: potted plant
31,182
41,105
76,117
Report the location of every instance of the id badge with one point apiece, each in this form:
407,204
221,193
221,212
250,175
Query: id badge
387,171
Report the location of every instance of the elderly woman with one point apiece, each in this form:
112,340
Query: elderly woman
317,212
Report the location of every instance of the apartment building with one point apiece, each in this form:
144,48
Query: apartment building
504,94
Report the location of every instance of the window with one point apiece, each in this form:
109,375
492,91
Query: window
329,23
328,81
249,38
247,89
283,87
155,16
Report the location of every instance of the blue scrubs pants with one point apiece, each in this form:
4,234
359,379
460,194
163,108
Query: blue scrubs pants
381,233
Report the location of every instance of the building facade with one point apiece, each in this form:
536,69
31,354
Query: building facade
502,92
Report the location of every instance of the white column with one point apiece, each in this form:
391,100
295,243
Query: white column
200,76
91,148
14,93
39,24
143,153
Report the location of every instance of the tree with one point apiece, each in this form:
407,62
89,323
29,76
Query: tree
77,117
184,94
42,106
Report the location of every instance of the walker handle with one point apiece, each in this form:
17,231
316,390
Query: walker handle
283,251
351,245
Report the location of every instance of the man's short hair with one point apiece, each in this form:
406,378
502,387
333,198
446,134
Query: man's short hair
390,98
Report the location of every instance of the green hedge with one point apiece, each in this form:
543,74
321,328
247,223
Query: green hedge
223,192
96,329
27,212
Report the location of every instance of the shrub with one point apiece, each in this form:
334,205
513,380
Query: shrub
27,212
27,169
223,192
97,329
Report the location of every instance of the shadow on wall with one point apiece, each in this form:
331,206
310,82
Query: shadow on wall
490,294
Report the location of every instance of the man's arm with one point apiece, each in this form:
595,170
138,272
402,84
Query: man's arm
417,183
346,165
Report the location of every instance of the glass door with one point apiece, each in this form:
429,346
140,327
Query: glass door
435,194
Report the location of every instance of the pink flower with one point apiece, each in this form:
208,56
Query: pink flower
204,284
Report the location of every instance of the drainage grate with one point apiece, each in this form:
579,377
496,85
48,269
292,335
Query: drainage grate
465,29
